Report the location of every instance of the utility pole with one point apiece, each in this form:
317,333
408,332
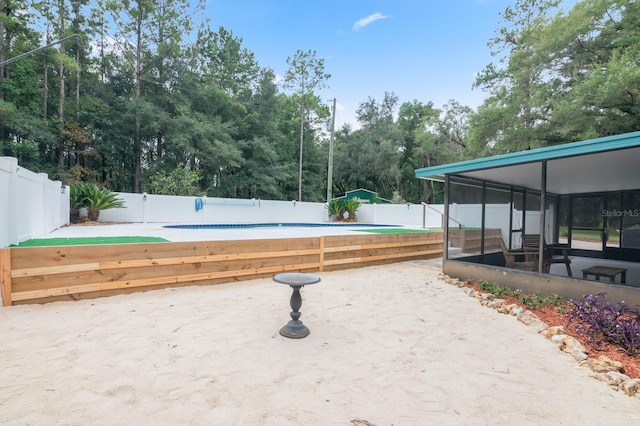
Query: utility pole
330,167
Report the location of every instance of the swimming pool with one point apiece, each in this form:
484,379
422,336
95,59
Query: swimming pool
275,225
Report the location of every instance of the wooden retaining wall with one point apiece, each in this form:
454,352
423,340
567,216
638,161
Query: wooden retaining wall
469,239
45,274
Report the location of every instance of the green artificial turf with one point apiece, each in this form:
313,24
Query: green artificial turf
79,241
394,230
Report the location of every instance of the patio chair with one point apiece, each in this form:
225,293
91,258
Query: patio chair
511,257
532,241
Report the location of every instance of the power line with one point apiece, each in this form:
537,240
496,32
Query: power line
39,49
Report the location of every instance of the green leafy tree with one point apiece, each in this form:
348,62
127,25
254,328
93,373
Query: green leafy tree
305,75
180,181
518,85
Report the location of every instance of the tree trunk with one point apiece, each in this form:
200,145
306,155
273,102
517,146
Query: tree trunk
93,214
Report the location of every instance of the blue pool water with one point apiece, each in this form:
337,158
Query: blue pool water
273,225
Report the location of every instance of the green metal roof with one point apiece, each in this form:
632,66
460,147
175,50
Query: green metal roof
609,143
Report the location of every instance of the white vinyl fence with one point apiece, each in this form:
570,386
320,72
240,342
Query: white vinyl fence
31,205
142,208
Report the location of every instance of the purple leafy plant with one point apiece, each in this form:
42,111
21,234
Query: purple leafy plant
599,321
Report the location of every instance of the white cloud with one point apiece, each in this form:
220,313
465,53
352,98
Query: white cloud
361,23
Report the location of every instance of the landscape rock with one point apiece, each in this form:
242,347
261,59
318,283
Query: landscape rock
612,378
554,331
511,308
574,348
558,339
631,387
603,364
517,311
497,304
529,318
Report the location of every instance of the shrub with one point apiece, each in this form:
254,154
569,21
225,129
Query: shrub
495,289
336,207
340,206
77,199
598,320
180,181
351,206
534,301
93,198
100,199
538,300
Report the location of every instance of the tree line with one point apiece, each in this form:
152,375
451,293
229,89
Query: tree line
146,98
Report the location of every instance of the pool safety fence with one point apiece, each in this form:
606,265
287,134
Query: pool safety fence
46,274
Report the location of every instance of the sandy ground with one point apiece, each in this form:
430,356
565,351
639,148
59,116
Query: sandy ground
389,345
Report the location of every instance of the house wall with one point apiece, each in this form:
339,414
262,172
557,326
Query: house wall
531,282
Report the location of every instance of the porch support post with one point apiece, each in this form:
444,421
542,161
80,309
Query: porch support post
483,219
543,204
447,185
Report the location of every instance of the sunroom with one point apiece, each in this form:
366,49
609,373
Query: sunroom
563,219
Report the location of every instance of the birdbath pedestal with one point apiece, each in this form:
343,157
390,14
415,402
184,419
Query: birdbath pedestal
295,329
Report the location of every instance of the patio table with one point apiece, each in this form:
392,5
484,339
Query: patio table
295,329
605,271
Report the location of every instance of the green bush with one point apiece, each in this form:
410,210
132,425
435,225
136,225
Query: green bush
180,181
340,206
93,198
336,208
534,301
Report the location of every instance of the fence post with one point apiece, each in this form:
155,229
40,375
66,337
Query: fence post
12,202
44,209
144,207
5,276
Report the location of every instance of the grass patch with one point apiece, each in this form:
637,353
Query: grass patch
80,241
613,234
394,230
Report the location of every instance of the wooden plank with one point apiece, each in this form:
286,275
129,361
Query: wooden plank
59,291
377,246
110,285
26,257
52,270
88,277
205,259
321,260
380,257
63,269
5,276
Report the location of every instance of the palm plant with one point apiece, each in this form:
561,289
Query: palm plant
77,200
336,208
93,198
340,206
100,199
351,205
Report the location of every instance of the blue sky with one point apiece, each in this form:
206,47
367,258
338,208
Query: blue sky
427,50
